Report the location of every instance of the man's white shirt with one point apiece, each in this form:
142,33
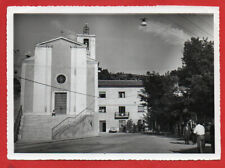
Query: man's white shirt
199,130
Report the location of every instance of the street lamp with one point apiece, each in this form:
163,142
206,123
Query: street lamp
143,22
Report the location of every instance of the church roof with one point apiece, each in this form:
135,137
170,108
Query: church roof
120,83
61,38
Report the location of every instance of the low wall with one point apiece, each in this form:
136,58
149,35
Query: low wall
83,128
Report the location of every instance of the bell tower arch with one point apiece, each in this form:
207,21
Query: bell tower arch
88,40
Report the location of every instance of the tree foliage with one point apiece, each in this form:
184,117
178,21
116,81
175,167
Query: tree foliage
198,60
183,93
104,74
161,101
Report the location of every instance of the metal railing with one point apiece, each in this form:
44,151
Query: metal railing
17,123
124,115
68,122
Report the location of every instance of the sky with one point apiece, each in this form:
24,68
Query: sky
122,45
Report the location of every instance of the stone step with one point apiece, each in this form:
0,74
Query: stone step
39,127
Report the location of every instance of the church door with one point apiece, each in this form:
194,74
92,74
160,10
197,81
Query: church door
60,102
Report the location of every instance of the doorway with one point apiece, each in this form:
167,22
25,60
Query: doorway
60,102
122,125
102,126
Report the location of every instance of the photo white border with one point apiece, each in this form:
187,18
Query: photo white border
109,10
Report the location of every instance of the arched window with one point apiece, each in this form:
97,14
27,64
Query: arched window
86,42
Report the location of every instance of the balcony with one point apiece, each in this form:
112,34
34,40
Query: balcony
124,115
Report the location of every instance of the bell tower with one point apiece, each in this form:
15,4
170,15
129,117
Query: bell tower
88,40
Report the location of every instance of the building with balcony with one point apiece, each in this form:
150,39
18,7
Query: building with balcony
118,102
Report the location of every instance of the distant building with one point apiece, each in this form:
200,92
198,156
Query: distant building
119,102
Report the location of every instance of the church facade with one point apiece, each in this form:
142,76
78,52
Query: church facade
59,86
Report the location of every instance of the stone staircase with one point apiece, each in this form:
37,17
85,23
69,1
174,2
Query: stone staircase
38,127
80,128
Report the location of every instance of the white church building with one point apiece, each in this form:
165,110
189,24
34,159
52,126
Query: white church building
61,78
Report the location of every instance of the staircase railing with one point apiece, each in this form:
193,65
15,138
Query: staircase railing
17,124
68,122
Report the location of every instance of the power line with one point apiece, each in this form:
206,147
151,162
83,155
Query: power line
180,25
192,23
29,80
197,26
55,87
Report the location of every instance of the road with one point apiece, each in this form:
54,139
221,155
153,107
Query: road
111,143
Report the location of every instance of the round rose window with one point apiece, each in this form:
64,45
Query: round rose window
61,79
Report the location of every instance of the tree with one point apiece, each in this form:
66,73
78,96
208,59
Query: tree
104,74
197,75
130,125
180,95
158,96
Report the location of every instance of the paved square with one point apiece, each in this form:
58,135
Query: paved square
112,143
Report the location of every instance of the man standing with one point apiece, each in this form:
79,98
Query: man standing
53,113
187,133
199,130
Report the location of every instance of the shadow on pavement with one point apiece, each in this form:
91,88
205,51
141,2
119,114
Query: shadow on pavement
194,150
177,143
166,135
